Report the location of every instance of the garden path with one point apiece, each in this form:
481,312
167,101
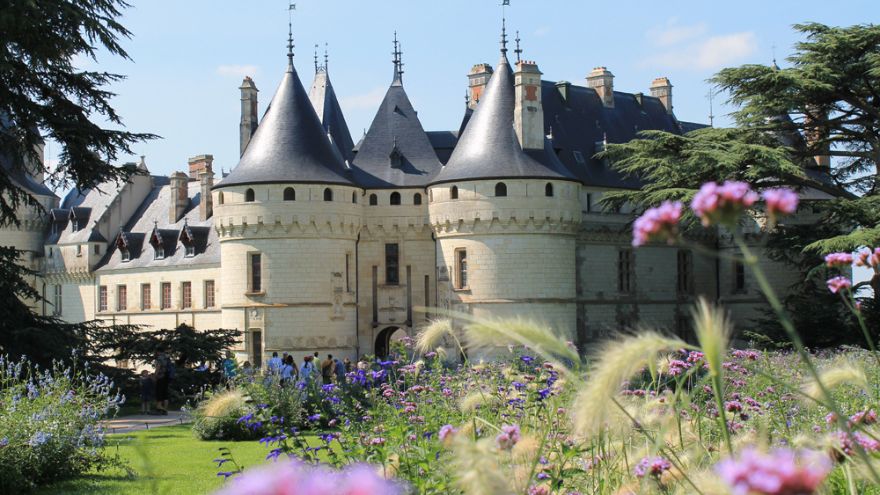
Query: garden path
137,422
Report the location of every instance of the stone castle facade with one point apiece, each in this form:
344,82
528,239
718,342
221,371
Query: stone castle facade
314,242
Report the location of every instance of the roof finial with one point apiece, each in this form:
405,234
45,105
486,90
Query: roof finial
518,50
398,62
504,3
290,8
326,57
467,98
316,58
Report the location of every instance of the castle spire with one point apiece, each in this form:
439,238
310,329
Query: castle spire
316,58
518,50
503,37
398,62
326,57
291,7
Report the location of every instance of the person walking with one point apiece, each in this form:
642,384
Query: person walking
148,387
287,370
230,367
349,366
327,370
274,364
164,370
340,372
307,369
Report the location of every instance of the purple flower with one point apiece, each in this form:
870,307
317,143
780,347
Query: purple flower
446,431
508,437
660,222
652,466
838,260
723,203
838,283
780,202
780,472
295,478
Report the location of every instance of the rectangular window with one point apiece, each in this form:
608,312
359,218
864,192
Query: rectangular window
685,272
166,295
159,253
209,293
347,271
256,272
57,301
97,249
190,250
461,270
186,295
79,250
625,271
121,298
739,278
102,298
146,296
392,264
589,203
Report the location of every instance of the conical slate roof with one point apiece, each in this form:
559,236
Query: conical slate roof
290,144
488,147
396,151
330,113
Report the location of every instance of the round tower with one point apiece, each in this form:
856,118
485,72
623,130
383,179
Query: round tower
288,218
505,211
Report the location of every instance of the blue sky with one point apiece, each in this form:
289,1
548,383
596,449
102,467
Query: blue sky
189,56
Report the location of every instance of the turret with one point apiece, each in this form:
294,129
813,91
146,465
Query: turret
249,119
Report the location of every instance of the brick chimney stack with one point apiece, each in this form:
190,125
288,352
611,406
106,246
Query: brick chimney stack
249,119
661,88
179,196
478,78
206,201
198,164
528,114
602,80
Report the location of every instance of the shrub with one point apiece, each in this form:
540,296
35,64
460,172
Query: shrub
49,427
217,417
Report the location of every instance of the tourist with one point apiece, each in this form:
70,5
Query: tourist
349,367
148,386
164,370
340,371
274,364
247,371
286,370
230,367
307,369
327,370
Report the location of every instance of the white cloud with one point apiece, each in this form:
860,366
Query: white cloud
237,70
673,33
369,100
692,47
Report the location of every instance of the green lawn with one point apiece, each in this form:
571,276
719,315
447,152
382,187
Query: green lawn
167,460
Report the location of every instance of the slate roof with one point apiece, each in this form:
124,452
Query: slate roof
324,100
488,147
396,151
443,143
290,145
88,207
152,216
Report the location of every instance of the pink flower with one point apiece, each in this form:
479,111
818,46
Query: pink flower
780,472
508,437
659,222
652,466
446,431
295,478
868,258
780,201
838,283
377,441
722,204
539,490
838,260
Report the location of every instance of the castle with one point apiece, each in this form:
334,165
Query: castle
316,243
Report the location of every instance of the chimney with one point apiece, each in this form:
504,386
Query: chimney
528,113
814,133
478,78
200,163
602,80
249,118
206,201
661,89
179,196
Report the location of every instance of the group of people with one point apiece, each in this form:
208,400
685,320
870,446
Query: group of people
154,386
330,370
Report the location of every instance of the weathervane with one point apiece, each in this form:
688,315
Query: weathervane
290,8
518,50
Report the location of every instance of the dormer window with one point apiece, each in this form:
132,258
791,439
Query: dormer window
159,253
158,243
122,244
126,254
74,224
396,158
188,239
190,251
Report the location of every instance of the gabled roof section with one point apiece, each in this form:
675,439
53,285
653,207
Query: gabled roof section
290,145
324,100
396,151
488,147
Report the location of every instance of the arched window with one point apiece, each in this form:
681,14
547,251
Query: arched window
219,198
249,196
395,198
453,193
417,199
328,194
500,189
354,197
373,200
548,190
289,194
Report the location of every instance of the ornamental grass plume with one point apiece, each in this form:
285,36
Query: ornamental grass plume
616,362
844,374
476,468
488,333
713,329
432,334
223,404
